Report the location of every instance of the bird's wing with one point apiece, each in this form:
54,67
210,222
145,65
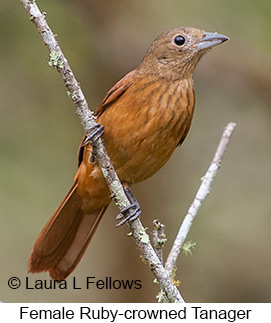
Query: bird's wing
115,92
112,95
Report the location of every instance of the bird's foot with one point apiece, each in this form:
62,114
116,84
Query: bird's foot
94,134
131,212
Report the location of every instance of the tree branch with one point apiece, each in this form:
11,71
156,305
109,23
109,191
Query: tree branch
60,63
201,195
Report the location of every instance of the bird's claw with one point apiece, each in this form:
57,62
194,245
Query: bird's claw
131,212
95,133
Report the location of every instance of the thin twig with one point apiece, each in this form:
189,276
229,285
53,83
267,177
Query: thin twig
159,238
201,195
60,63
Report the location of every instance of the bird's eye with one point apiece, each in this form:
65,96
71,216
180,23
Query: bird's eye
179,40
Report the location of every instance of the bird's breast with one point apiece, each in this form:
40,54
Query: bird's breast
145,125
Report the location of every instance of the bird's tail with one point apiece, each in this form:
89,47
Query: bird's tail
64,239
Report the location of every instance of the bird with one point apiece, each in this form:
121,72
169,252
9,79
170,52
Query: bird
144,117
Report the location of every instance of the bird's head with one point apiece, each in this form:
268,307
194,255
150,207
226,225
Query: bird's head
175,53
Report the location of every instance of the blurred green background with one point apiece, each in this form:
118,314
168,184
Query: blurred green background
40,133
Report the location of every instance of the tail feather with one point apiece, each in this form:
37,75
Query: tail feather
63,241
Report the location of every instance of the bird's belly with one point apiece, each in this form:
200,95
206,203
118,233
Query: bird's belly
142,153
146,161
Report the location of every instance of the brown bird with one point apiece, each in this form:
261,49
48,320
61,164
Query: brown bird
146,115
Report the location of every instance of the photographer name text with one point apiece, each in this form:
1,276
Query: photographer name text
89,282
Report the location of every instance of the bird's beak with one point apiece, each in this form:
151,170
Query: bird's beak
209,40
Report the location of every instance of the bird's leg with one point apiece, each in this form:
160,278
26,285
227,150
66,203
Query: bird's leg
94,134
131,212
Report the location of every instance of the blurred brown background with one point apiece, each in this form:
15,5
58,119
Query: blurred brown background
40,134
